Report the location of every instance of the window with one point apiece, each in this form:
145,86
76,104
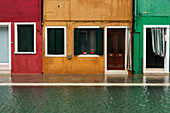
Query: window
25,38
86,39
55,41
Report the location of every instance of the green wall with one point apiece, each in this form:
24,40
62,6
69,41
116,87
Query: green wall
157,13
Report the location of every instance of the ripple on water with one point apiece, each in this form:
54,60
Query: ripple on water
85,99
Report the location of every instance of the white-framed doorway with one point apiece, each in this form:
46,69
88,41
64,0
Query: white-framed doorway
125,71
166,58
6,66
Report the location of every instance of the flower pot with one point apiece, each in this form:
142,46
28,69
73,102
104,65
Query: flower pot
84,53
92,53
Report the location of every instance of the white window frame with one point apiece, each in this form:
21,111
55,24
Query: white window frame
16,37
8,24
125,71
166,59
88,55
46,40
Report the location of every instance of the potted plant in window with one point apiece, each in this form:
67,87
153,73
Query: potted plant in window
92,51
84,53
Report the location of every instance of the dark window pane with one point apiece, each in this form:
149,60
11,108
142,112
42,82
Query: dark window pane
55,41
92,40
21,39
88,40
51,41
59,33
83,35
25,38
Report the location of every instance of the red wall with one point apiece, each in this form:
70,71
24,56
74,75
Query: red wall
23,11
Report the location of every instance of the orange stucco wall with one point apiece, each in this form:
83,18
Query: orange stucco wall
74,13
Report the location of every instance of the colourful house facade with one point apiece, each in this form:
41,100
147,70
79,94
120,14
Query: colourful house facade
20,36
87,36
151,37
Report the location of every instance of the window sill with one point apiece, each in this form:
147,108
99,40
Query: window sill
55,55
24,52
88,55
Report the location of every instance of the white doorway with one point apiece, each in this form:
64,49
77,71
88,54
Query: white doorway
165,67
5,47
125,70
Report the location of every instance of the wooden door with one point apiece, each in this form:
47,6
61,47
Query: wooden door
116,49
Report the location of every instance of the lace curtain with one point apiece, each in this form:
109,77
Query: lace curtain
158,41
129,52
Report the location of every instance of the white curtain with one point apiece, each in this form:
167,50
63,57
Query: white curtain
92,40
129,52
88,40
158,41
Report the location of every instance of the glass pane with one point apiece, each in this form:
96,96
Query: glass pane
4,47
111,40
59,40
55,41
83,36
88,40
92,41
29,40
120,44
25,38
51,40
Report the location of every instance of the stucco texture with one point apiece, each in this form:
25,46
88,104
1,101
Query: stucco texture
23,11
74,13
153,15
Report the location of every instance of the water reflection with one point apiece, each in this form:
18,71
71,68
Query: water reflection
26,78
84,78
5,78
85,99
156,79
118,78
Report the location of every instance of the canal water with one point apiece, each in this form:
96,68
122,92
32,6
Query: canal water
84,99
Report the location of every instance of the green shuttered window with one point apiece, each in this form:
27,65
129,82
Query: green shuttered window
25,38
55,41
86,39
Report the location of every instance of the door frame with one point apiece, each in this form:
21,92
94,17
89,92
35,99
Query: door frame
125,71
8,24
166,59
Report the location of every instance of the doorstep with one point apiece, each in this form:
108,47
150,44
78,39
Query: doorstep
122,72
4,69
156,71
